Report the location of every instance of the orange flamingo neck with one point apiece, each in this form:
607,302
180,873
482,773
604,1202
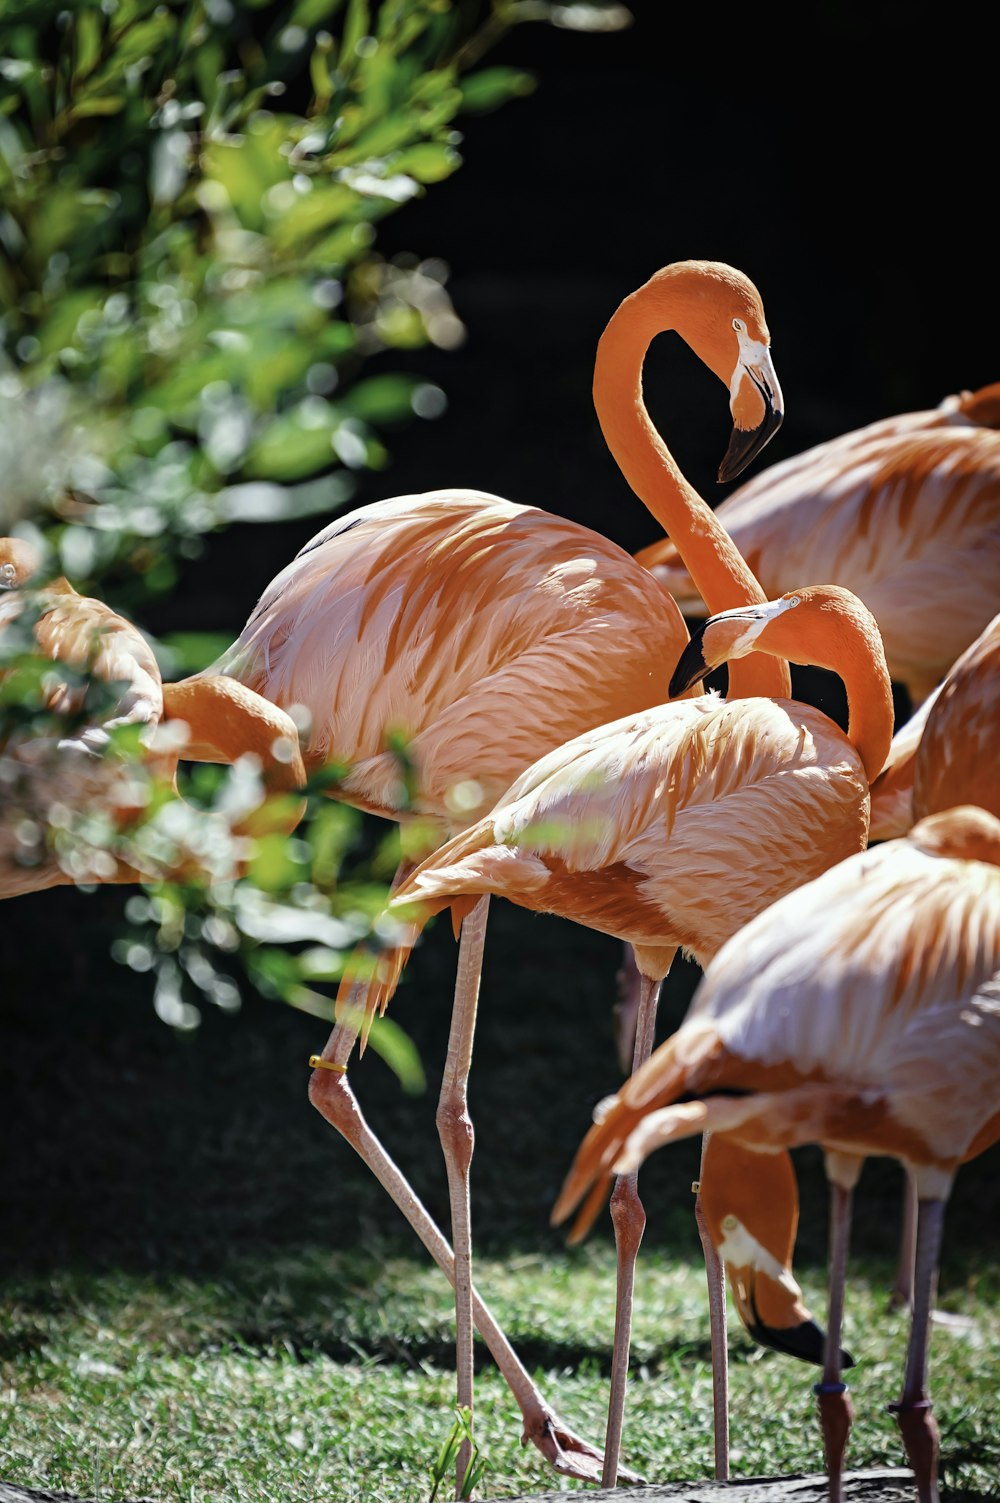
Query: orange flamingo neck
721,574
831,628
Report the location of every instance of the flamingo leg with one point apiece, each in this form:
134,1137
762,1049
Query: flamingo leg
331,1094
901,1295
716,1275
835,1409
913,1410
457,1136
629,1220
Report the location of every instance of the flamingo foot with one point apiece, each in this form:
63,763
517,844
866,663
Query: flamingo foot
565,1452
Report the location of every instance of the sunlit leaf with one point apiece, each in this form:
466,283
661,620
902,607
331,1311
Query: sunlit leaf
382,399
493,87
430,162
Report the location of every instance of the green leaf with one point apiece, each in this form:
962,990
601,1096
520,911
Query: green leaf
309,13
430,162
98,104
399,1052
288,450
311,213
275,866
87,39
492,87
381,399
357,24
191,651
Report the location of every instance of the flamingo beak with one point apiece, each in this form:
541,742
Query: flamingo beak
758,412
712,642
692,666
803,1339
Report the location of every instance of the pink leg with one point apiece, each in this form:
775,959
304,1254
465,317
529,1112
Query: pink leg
913,1411
835,1411
716,1275
457,1142
331,1094
629,1221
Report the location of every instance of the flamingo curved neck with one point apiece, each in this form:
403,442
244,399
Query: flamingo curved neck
720,572
846,640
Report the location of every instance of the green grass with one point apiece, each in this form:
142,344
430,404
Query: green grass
203,1296
319,1377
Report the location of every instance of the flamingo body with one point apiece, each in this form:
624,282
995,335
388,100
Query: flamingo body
946,752
861,1012
667,828
957,754
483,631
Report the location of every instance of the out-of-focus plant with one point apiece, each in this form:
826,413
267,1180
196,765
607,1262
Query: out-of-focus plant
83,804
190,282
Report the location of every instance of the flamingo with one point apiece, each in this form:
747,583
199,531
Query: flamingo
946,748
905,512
211,720
490,632
944,753
860,1012
673,827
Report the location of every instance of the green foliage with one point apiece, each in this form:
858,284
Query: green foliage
189,274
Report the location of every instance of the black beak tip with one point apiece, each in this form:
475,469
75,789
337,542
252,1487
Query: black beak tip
746,443
807,1341
691,668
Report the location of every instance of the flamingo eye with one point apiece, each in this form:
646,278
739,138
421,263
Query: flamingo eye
794,599
739,326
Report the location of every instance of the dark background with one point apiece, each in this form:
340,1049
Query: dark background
844,158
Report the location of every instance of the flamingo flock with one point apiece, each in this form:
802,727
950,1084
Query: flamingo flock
839,888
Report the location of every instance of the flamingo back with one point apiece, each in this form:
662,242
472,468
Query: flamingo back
481,632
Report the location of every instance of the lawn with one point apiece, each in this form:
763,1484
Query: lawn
204,1296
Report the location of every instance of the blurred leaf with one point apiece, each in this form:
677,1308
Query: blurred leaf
191,651
307,214
99,104
397,1050
429,162
289,449
382,399
88,42
357,24
493,87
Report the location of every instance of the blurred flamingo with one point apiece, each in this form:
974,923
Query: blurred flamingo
672,828
211,720
488,633
861,1012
